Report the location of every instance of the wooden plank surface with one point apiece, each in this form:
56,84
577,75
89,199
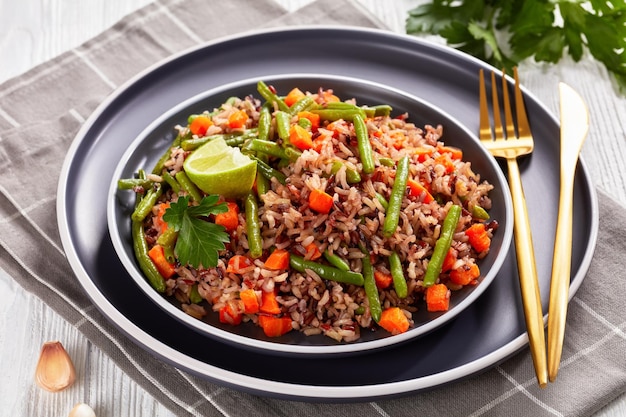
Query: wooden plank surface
33,31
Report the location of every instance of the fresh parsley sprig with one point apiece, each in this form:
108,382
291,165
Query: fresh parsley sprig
505,32
199,240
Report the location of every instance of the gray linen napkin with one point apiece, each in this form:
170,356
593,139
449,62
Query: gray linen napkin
64,91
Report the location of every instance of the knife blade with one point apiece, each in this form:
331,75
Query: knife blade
574,129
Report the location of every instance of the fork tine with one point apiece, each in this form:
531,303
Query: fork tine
497,120
508,116
523,127
485,126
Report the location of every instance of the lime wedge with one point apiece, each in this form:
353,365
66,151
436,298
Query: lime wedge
217,168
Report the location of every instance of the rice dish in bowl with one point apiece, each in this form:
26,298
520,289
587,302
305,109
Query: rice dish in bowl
325,268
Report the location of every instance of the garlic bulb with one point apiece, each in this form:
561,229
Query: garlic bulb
82,410
55,370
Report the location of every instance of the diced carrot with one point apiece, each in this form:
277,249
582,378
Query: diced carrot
158,221
320,201
157,255
327,96
237,119
393,320
398,139
444,159
312,251
465,274
455,153
238,263
333,127
269,303
437,298
423,153
383,279
318,144
416,189
293,96
312,117
230,218
230,314
250,301
275,326
278,260
200,125
300,137
449,260
478,237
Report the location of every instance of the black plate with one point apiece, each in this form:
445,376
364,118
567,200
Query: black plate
144,150
489,330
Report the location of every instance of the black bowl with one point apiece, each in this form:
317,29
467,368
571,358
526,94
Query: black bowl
154,140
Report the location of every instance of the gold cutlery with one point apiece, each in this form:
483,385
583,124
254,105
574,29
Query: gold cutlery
510,144
574,128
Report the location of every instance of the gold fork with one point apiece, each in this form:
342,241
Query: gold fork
510,145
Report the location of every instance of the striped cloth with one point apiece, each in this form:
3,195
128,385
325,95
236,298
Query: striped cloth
593,370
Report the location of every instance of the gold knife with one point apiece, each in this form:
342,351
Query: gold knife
574,128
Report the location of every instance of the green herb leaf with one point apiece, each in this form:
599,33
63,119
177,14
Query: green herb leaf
199,240
544,30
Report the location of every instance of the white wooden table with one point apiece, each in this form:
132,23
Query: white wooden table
33,31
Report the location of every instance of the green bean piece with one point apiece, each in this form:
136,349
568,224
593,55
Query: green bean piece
388,162
340,105
265,123
238,141
378,110
171,181
194,143
262,183
253,228
352,176
325,271
303,104
231,101
359,311
292,153
267,147
231,139
305,123
155,279
442,246
167,239
369,283
364,145
269,172
336,261
194,295
169,254
271,97
480,213
336,114
158,167
283,120
147,202
382,200
130,183
397,274
187,186
392,215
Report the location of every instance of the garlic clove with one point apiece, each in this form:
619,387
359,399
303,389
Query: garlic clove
82,410
55,370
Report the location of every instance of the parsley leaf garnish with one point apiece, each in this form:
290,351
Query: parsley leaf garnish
505,32
199,241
